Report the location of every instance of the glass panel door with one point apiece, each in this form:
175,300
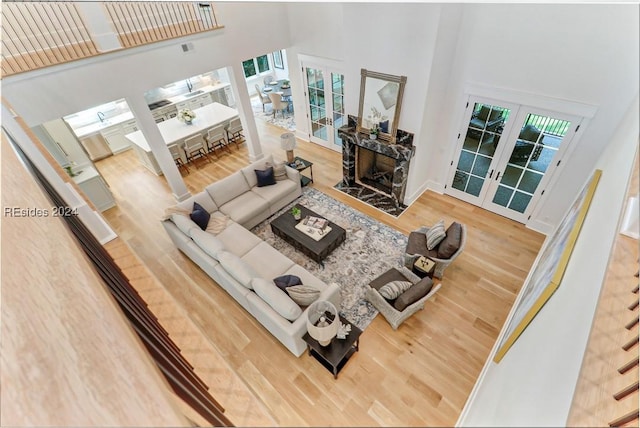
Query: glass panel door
531,157
479,151
325,99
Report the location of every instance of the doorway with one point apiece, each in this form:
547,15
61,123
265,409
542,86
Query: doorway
508,154
324,98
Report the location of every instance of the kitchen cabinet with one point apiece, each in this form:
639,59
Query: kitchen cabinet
95,188
115,135
164,113
96,146
62,135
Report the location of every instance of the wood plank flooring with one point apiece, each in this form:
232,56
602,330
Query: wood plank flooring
419,375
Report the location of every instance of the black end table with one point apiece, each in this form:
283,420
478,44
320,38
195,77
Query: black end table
284,226
336,354
300,165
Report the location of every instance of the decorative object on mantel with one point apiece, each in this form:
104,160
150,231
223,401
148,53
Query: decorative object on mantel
373,132
322,321
288,143
186,115
381,95
343,331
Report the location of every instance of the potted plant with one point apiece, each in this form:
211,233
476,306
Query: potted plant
285,84
297,214
373,132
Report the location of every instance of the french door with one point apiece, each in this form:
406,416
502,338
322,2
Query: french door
324,97
507,154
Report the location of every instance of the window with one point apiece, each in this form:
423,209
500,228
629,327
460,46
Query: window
255,66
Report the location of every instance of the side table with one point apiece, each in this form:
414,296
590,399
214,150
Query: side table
336,354
301,164
424,266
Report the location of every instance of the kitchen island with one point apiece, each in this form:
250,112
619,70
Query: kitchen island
175,132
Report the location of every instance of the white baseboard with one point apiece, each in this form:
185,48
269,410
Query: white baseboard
629,226
302,135
182,197
540,226
428,185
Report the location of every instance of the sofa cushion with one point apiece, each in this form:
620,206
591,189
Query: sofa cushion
451,242
303,295
203,198
413,294
200,216
208,242
276,298
435,235
245,207
237,268
265,176
238,240
277,192
222,191
184,223
393,289
417,243
248,171
268,261
285,281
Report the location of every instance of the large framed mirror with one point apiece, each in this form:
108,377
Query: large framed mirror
380,102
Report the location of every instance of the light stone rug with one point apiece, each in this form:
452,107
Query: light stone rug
371,248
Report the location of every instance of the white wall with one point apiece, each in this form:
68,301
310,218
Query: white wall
533,385
61,90
585,53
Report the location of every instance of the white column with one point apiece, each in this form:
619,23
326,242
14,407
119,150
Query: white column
243,104
158,146
97,23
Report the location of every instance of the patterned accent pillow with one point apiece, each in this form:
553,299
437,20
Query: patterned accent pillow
217,224
393,289
435,235
303,295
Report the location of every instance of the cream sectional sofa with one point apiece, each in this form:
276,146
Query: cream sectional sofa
242,263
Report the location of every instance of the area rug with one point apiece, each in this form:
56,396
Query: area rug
371,248
288,122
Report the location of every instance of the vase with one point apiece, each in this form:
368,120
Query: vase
373,136
297,216
189,122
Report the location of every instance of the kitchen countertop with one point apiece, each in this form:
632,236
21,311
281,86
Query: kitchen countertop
173,130
205,90
87,173
99,126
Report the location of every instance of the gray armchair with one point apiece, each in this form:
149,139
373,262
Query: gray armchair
389,309
443,254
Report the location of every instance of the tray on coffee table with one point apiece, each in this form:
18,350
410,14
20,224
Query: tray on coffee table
284,226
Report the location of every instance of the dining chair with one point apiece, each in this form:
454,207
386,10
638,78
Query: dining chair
194,148
278,104
267,79
263,98
216,140
177,157
234,131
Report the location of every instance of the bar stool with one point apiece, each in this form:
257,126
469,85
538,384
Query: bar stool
177,158
234,131
194,148
216,140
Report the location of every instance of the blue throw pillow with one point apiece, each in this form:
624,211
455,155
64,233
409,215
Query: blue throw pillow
285,281
384,126
200,216
265,177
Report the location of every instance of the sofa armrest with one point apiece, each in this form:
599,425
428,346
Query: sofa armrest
292,173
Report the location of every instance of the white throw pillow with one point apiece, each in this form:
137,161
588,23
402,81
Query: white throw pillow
393,289
303,295
435,235
184,223
276,298
237,268
209,243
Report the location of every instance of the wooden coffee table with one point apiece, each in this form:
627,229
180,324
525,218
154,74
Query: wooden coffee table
284,226
336,354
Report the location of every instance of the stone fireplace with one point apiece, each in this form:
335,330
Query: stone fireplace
376,165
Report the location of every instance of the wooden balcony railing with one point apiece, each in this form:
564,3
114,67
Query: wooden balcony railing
38,34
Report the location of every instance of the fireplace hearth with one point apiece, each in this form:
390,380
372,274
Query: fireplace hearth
375,171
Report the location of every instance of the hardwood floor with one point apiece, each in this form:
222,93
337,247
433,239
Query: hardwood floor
419,375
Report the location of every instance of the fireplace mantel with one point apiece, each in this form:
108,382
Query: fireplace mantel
402,152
